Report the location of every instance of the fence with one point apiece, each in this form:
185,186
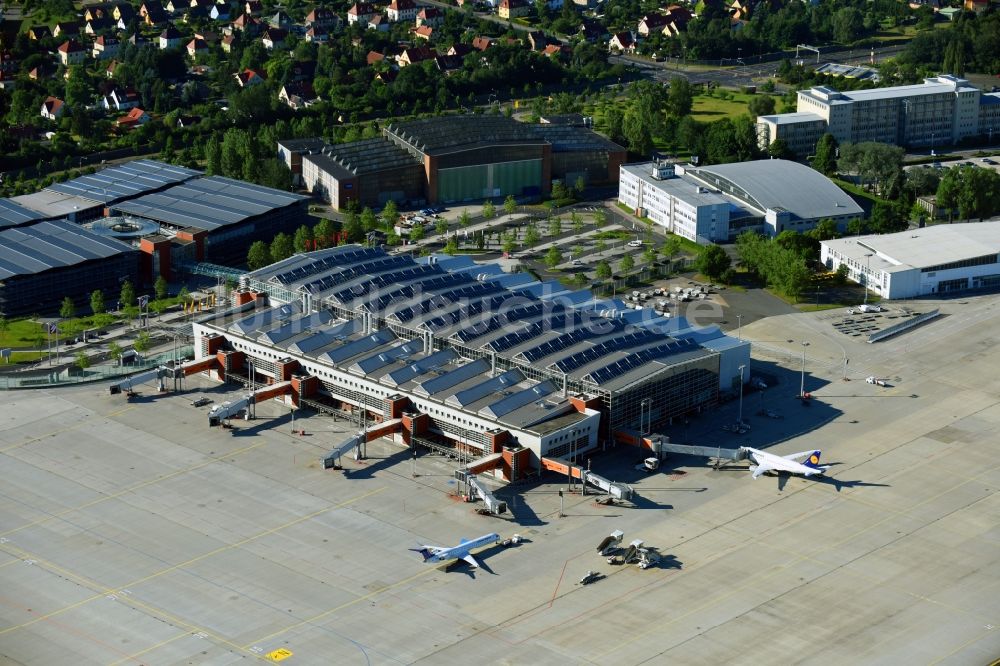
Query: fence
902,326
72,375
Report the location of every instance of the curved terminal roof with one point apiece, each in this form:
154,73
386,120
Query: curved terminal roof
781,185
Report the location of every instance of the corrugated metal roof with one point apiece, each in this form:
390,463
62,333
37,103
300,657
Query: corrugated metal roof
209,203
125,180
13,214
48,245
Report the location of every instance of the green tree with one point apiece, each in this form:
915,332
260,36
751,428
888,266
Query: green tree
510,205
825,229
115,352
600,246
67,309
97,305
464,220
825,160
577,251
531,235
142,342
416,232
713,261
282,247
451,247
627,263
323,234
303,240
555,226
258,256
82,361
368,220
600,217
509,243
127,296
489,210
843,271
441,226
680,99
184,296
649,255
390,215
4,326
602,270
761,105
780,150
577,222
553,257
352,229
160,287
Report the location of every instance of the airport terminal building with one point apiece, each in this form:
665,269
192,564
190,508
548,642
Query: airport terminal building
717,203
464,354
939,259
941,111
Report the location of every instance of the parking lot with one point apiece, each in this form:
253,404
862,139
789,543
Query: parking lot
133,533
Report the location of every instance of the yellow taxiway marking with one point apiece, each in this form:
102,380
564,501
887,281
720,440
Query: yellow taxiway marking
280,654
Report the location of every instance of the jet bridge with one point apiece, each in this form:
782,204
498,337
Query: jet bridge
490,502
618,491
227,410
332,459
128,383
661,445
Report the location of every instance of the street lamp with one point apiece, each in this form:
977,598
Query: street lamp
932,144
739,327
740,419
802,383
868,260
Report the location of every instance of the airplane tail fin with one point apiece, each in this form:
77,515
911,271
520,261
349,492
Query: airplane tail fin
813,461
425,552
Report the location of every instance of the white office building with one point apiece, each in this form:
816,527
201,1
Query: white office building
716,203
934,260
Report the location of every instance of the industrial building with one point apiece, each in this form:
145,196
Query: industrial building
13,214
942,111
87,197
500,367
211,219
452,159
43,263
939,259
716,203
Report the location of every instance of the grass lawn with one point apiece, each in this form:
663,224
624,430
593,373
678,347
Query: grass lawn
707,109
21,333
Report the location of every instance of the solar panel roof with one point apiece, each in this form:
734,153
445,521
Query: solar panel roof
48,245
125,181
208,203
13,214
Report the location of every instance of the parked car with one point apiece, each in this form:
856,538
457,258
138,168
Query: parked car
201,402
635,243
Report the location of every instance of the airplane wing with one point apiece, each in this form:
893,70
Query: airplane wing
800,455
761,469
471,560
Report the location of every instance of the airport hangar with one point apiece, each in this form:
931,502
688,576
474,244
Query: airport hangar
500,367
719,202
452,159
938,259
157,215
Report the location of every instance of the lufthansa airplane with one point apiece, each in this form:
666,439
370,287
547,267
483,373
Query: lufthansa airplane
769,462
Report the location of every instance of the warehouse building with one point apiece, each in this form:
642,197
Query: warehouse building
941,111
87,197
939,259
212,219
43,263
13,214
717,203
487,362
456,158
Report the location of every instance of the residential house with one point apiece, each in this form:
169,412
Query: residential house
297,94
387,76
321,17
274,38
977,6
460,50
227,43
414,55
378,23
622,42
41,72
188,121
482,43
170,38
175,6
137,40
220,11
52,108
249,78
448,63
122,11
536,40
106,47
401,10
557,51
98,26
431,16
121,99
71,53
361,13
195,15
247,24
134,118
509,9
317,34
423,32
66,29
651,24
254,7
197,47
93,12
280,20
373,57
109,71
39,32
153,14
592,31
7,81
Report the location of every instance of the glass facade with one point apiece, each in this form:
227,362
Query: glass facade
488,180
675,391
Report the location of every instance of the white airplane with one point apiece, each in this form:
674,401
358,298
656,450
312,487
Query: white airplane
459,552
770,462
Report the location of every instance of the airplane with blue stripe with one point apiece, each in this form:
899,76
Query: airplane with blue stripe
460,552
763,462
